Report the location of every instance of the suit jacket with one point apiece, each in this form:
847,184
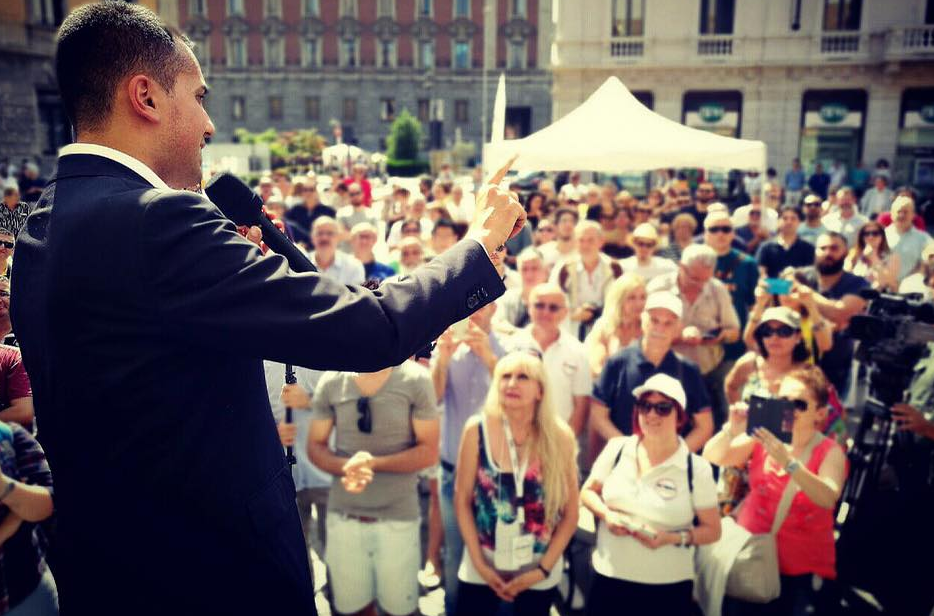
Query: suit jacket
143,319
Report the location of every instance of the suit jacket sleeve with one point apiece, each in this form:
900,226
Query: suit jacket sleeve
213,288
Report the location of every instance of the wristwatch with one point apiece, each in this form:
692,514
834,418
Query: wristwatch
685,539
792,466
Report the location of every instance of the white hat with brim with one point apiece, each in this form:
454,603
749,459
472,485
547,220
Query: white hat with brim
666,385
667,300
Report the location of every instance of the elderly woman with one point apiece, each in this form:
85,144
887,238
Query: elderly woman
26,586
683,227
655,501
872,258
817,466
515,531
620,323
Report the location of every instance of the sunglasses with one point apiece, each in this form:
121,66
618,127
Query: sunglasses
813,204
723,229
354,194
662,409
7,245
782,331
5,294
799,404
645,244
552,308
365,421
644,210
865,234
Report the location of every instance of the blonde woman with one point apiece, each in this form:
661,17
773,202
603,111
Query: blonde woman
621,322
514,534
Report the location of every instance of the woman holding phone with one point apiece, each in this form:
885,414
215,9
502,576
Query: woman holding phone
818,467
872,258
655,501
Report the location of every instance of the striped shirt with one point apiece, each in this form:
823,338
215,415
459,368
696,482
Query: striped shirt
15,219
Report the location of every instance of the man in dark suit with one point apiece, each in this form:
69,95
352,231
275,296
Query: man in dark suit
172,492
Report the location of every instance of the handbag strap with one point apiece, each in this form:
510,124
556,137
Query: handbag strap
784,505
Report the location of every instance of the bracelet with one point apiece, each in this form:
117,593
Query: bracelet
10,486
545,571
685,539
790,468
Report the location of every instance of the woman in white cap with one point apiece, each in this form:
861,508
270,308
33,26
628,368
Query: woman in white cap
655,501
815,464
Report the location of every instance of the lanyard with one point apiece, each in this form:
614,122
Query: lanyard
518,472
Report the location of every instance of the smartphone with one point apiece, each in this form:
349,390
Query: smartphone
778,286
777,416
710,335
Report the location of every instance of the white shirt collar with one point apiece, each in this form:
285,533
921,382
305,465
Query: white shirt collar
117,156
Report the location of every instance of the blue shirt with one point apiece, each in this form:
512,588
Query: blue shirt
738,272
794,180
374,270
468,381
629,368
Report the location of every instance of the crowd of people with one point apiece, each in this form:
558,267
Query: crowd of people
612,380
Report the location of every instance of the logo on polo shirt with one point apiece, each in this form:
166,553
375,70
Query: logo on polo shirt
666,488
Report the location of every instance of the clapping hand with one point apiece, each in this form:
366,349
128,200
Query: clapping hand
358,472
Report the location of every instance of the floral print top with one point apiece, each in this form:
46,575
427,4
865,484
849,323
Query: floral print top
494,496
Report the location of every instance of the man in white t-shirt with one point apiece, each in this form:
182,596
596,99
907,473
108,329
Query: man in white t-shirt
563,355
644,262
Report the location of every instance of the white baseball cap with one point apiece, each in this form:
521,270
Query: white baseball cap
665,385
667,300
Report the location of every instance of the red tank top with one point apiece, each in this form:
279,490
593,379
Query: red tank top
805,539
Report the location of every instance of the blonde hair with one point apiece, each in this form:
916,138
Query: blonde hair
546,433
618,291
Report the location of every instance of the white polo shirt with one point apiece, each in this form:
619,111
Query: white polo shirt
661,498
566,365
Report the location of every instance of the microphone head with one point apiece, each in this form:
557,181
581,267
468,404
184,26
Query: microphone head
235,199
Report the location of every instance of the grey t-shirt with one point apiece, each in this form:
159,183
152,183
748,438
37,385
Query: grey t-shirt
408,394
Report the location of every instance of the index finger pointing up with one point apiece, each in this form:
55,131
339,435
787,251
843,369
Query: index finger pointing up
499,175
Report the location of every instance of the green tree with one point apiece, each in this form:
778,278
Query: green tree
404,138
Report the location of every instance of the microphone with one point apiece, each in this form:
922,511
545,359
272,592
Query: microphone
243,207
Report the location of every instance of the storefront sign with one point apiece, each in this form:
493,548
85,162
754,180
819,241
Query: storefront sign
921,118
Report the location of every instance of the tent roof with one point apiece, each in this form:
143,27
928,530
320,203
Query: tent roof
613,132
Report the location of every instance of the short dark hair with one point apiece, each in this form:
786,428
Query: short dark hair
566,211
837,236
100,44
791,208
444,223
814,379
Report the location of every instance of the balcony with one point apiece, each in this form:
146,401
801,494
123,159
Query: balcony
839,44
715,45
627,47
909,42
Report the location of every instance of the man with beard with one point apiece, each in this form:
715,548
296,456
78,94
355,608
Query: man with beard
837,298
564,245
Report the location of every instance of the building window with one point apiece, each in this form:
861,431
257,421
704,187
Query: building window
311,53
461,55
842,14
54,129
387,109
424,109
350,110
273,51
273,8
460,111
235,7
423,8
517,56
348,8
349,53
311,8
387,54
275,107
46,12
628,17
236,53
237,108
426,54
519,8
929,12
386,8
462,8
716,16
198,8
312,108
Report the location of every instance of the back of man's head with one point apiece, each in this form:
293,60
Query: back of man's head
101,44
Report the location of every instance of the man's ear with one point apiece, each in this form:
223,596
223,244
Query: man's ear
146,97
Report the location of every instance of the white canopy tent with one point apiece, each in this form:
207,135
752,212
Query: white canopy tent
613,132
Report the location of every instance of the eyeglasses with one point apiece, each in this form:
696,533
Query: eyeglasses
552,308
865,234
812,204
799,404
644,210
5,294
365,421
7,245
723,229
645,244
662,409
782,331
754,213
